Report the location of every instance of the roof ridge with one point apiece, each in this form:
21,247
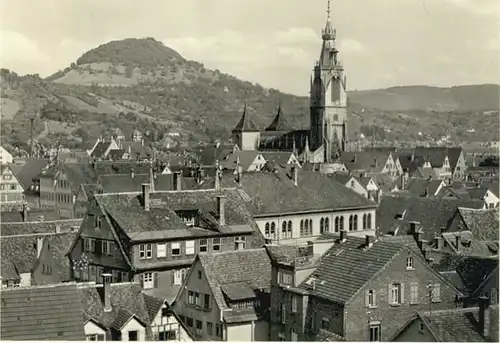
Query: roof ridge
61,284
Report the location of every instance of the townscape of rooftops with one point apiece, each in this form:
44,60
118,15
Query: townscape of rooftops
283,235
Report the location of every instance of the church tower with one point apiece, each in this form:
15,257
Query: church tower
328,97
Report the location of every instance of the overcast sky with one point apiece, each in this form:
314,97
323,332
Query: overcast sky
274,42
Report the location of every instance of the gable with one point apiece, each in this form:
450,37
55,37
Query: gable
92,328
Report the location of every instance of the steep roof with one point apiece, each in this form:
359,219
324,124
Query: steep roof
347,266
432,213
250,268
28,171
422,187
468,245
456,325
210,154
406,240
436,155
100,149
33,216
279,123
127,300
42,313
122,183
274,192
370,161
483,224
245,124
246,158
278,157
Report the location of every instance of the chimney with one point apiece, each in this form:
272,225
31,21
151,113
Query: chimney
343,236
132,173
403,181
484,315
412,158
106,285
458,240
375,162
294,175
439,242
146,192
177,181
474,159
369,240
25,212
221,201
39,245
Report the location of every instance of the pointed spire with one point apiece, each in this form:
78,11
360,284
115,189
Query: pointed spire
245,124
328,32
328,11
279,123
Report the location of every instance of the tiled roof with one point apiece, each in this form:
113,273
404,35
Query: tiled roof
385,182
342,178
246,158
279,123
120,167
274,192
116,154
29,170
210,154
279,253
42,313
425,173
19,255
370,161
407,240
59,245
251,266
483,224
153,305
278,157
123,183
436,155
328,336
126,209
33,216
135,148
470,246
245,124
126,298
25,228
346,267
100,149
456,325
432,213
422,187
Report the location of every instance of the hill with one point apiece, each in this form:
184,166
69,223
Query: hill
140,83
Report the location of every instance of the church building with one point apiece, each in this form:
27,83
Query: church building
326,137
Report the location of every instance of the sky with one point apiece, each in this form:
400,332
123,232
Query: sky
275,43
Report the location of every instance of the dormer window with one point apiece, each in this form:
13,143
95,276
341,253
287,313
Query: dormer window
97,222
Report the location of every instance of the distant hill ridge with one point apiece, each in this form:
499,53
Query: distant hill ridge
161,91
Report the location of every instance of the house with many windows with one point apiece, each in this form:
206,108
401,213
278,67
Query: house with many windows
152,236
362,290
292,206
225,296
11,189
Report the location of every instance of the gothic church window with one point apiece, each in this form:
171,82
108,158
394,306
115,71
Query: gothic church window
327,224
266,232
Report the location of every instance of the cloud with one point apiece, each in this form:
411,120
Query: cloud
350,45
481,7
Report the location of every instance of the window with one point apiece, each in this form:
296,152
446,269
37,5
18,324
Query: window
364,222
199,326
239,243
325,323
493,296
98,223
176,248
147,281
189,247
289,233
436,293
306,229
273,231
283,229
422,326
327,224
352,184
302,228
145,251
178,276
395,294
89,244
369,221
409,263
210,329
355,222
104,247
218,330
267,231
94,337
310,227
206,301
132,335
414,293
294,303
199,274
283,313
371,298
216,244
337,224
161,250
203,245
190,297
189,322
7,177
321,225
351,222
170,335
374,332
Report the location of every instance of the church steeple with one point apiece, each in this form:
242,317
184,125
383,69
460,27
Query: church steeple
246,134
329,49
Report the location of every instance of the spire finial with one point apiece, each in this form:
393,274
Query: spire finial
328,11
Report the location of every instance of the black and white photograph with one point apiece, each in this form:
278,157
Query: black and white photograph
249,170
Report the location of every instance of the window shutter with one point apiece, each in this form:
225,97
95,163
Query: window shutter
402,293
389,294
98,247
156,279
367,298
111,249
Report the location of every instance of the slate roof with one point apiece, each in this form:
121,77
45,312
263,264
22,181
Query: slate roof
269,193
121,167
245,124
24,228
127,300
100,149
407,241
123,183
433,213
385,182
328,336
425,173
342,178
483,224
29,170
42,313
249,268
33,216
456,325
127,211
422,187
347,266
116,154
279,123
